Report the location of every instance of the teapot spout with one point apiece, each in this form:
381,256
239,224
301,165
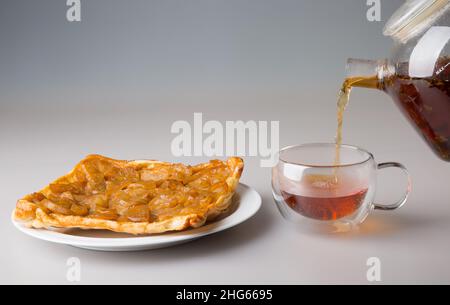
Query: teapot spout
370,73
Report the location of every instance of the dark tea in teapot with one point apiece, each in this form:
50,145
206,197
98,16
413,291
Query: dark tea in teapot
424,101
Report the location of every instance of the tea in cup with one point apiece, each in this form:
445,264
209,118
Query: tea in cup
311,189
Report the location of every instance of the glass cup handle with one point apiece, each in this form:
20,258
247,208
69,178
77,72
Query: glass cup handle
401,202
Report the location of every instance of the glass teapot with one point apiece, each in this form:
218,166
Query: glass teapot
417,76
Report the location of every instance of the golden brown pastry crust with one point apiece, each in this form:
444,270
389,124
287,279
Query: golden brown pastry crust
31,215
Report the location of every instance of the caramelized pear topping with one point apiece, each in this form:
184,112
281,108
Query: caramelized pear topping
112,190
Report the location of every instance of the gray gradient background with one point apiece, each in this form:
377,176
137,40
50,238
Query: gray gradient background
114,83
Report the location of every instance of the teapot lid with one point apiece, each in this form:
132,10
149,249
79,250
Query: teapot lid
413,17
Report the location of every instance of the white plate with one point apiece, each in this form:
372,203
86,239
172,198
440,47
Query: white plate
246,202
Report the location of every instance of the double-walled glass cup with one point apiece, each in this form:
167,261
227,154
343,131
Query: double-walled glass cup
311,189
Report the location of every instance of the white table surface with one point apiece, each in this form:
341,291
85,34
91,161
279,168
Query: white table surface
43,141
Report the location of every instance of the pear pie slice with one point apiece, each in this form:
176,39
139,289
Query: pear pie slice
136,197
